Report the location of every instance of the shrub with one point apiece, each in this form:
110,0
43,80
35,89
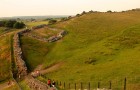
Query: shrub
77,15
10,23
52,21
19,25
83,12
109,11
2,23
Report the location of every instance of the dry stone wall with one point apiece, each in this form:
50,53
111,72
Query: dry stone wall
21,66
39,26
20,63
50,39
35,84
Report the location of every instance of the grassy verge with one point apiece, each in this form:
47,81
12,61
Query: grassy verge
24,86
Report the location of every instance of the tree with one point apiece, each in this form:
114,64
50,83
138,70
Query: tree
2,23
77,15
109,11
10,23
19,25
83,12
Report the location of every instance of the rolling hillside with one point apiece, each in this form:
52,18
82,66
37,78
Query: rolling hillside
98,46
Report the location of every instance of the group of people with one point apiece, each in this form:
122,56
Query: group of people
51,83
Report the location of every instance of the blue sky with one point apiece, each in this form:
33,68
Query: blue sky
62,7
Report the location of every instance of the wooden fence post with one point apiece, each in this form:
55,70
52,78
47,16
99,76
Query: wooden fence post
64,85
69,85
75,86
98,84
110,85
89,85
60,83
81,86
125,84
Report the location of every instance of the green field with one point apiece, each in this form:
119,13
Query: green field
31,24
98,46
45,32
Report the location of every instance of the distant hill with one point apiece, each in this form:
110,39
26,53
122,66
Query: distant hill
35,17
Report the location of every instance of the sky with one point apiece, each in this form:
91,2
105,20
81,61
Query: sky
10,8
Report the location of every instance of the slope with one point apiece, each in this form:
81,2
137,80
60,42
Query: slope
99,46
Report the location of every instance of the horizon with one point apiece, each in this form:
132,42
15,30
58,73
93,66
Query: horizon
36,16
14,8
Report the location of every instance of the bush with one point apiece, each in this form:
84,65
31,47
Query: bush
19,25
2,23
52,21
109,11
77,15
10,23
83,12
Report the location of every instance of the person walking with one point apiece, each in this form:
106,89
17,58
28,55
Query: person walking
53,83
49,82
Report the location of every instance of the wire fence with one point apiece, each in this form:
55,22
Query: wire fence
120,84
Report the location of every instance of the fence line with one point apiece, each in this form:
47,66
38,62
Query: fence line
121,85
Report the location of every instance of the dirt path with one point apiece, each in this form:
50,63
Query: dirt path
51,69
39,71
7,84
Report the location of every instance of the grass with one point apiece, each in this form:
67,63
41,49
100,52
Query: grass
13,87
5,59
34,52
1,30
45,32
24,86
31,24
98,46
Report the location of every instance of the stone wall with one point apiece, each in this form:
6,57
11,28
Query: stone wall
50,39
21,66
39,26
35,84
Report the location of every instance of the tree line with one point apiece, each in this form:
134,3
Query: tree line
12,24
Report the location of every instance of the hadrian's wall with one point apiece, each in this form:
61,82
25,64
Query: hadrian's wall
22,68
50,39
35,84
20,63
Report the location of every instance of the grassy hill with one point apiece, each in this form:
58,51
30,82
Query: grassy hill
5,58
98,46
